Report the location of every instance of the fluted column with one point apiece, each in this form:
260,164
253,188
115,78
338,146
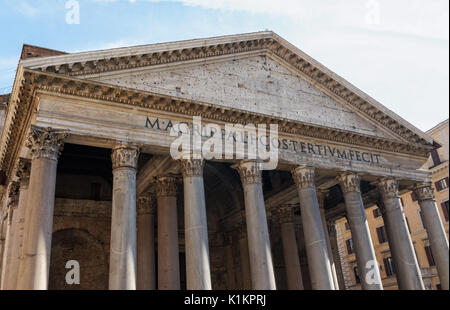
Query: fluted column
122,262
331,226
168,252
407,268
8,259
146,205
285,214
46,145
261,265
368,268
321,195
435,230
23,174
195,225
315,243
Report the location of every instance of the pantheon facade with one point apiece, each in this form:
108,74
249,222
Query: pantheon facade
88,185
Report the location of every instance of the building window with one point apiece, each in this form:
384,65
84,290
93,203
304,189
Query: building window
376,212
413,197
355,272
435,157
441,184
430,256
381,232
347,226
389,266
444,207
349,243
438,287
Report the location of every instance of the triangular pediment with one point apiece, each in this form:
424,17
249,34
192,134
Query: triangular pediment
254,83
361,111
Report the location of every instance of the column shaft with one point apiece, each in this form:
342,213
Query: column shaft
261,265
335,252
122,262
168,252
146,242
368,268
316,247
45,146
407,268
196,232
435,231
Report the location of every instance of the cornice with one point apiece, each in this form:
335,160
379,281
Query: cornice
32,82
94,63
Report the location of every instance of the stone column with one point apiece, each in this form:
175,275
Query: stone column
46,145
122,261
315,243
331,226
146,205
198,272
23,174
244,256
435,230
285,214
321,199
368,268
8,259
407,268
168,252
261,265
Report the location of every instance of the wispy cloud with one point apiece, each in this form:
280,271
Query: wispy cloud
27,9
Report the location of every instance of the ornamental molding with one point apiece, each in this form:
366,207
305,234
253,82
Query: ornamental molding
13,194
285,213
269,43
166,186
304,177
388,188
249,171
124,156
192,167
57,75
46,142
349,182
424,191
146,204
23,171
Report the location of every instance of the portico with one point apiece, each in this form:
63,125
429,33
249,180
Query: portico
158,222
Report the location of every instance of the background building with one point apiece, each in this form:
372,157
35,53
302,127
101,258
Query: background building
438,164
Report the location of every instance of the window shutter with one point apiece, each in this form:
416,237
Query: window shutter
380,237
430,256
435,157
438,186
444,207
349,250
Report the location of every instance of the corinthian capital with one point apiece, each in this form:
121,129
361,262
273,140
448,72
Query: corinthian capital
285,213
388,188
349,182
13,194
249,171
46,142
125,156
424,191
304,177
146,204
23,171
166,186
191,166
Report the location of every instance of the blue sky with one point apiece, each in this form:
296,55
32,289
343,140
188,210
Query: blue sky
395,51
